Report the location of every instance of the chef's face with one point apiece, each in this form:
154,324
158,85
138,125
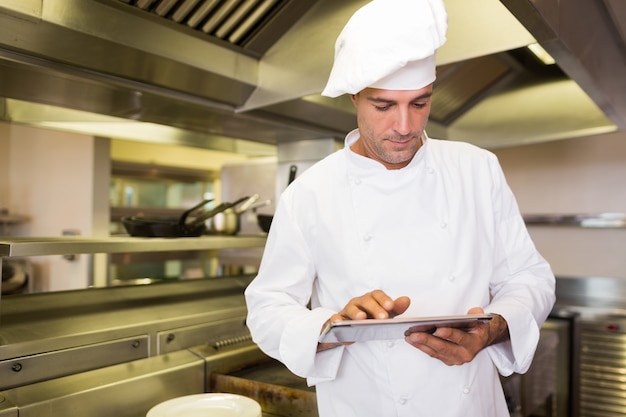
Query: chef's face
391,123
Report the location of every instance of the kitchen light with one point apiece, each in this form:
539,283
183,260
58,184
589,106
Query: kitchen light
541,54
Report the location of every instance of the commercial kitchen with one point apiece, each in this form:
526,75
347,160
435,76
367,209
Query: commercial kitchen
118,111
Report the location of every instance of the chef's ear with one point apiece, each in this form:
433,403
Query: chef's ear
354,97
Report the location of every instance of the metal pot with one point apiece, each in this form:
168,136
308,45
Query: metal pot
15,276
228,222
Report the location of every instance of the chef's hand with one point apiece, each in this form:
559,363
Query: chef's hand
456,346
373,305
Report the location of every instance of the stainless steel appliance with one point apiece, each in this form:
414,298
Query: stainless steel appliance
120,351
601,304
603,366
547,389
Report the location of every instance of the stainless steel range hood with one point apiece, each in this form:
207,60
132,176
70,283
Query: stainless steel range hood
221,71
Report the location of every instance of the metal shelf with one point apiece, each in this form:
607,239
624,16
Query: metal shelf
69,245
600,220
12,218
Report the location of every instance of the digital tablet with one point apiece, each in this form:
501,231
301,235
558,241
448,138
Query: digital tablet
395,328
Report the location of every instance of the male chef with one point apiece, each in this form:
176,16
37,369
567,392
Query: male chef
394,225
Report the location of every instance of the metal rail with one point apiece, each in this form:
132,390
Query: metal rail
69,245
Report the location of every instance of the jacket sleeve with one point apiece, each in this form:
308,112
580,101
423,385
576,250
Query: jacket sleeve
522,284
279,319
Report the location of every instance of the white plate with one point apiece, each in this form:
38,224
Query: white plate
205,405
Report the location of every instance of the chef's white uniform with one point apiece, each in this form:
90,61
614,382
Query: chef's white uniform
445,231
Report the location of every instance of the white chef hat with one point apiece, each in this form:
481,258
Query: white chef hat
388,44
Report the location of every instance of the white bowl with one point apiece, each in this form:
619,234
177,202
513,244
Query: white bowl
207,405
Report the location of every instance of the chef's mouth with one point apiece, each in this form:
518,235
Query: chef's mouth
403,140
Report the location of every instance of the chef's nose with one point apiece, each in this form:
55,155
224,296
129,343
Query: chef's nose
402,124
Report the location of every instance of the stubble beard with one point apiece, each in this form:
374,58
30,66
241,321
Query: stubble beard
387,154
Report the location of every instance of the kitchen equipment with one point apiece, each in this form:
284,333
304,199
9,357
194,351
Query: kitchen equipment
279,392
210,404
164,227
16,276
265,220
131,343
601,343
168,227
228,222
145,345
548,388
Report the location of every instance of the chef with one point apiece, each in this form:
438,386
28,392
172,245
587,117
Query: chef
398,224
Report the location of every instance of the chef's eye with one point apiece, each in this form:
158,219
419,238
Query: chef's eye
383,108
419,105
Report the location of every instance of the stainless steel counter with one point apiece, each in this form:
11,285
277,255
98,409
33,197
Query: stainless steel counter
120,351
591,297
48,335
125,390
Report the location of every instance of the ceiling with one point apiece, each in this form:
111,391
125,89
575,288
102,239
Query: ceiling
235,75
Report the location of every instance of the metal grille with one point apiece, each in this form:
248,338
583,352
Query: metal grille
233,21
603,370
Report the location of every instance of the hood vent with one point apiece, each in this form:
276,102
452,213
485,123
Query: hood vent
244,24
462,85
455,93
218,71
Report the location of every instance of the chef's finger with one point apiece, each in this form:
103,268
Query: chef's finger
353,311
400,305
446,351
476,310
382,299
364,307
377,304
335,318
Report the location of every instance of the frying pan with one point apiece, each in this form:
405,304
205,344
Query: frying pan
161,227
168,227
265,220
